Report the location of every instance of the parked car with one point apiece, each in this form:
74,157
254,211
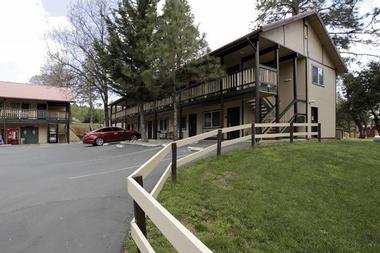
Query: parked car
109,134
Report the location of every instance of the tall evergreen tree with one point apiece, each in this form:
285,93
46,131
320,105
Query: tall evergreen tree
129,55
183,52
342,18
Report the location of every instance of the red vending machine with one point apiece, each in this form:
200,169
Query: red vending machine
13,136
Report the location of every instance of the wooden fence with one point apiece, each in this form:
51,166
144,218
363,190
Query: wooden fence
145,203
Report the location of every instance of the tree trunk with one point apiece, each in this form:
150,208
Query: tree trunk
106,111
142,123
91,114
359,124
175,113
376,119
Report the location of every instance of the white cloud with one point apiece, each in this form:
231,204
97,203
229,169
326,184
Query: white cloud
23,25
223,20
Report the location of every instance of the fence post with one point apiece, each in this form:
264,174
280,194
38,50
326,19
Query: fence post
139,213
291,132
319,132
219,144
174,162
253,132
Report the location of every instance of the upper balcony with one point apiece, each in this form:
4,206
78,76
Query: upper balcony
22,115
233,84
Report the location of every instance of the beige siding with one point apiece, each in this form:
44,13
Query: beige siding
324,99
290,36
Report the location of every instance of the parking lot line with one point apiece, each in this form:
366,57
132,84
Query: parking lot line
117,170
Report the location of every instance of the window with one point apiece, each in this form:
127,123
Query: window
317,75
211,119
163,124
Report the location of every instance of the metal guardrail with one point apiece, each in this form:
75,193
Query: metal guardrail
145,203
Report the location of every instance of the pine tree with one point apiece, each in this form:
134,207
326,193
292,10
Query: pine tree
183,52
341,17
129,55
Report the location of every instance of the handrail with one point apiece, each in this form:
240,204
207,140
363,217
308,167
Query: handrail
237,80
176,233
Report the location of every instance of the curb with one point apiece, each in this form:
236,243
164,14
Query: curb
143,144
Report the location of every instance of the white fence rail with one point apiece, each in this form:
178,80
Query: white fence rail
145,203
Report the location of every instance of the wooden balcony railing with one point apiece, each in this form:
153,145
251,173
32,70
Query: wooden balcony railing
30,114
237,81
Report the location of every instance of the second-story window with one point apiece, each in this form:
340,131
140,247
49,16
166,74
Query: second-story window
317,75
211,119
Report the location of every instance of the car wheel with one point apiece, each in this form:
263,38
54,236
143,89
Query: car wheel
134,138
99,142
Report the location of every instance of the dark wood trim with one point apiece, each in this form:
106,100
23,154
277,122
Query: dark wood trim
284,58
295,81
277,58
257,80
155,124
180,119
242,114
306,91
68,123
5,132
221,97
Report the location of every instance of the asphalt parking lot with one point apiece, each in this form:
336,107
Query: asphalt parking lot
69,197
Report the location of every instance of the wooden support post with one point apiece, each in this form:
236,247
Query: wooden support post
174,162
219,144
295,97
277,58
291,132
253,133
155,124
221,97
319,132
5,134
68,122
257,81
139,212
180,120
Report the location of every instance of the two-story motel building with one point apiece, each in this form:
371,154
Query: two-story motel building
34,114
282,72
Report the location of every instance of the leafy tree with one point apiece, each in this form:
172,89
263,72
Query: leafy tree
183,52
342,18
74,46
59,75
343,116
129,54
370,80
362,92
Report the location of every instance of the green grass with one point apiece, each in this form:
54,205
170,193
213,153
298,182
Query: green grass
305,197
80,128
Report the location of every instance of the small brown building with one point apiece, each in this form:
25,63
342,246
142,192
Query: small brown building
34,114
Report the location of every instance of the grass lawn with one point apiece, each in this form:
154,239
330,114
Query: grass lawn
305,197
80,128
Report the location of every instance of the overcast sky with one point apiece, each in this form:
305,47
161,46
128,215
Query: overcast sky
24,24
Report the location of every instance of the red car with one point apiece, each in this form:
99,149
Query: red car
109,134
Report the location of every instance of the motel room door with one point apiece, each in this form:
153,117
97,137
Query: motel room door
150,129
30,135
314,118
192,125
233,119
